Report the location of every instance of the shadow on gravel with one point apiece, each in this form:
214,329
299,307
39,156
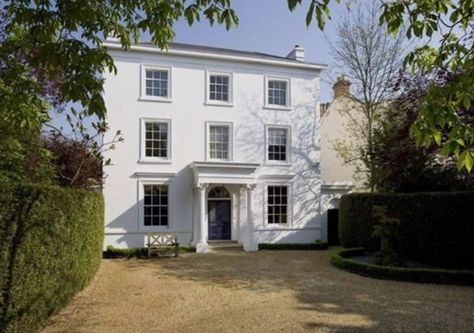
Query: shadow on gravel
341,301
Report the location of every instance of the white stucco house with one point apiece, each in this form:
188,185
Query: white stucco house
219,145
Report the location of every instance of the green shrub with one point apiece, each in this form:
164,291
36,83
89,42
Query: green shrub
138,252
293,246
342,260
50,247
436,228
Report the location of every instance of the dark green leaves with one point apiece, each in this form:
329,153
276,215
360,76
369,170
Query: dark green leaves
448,108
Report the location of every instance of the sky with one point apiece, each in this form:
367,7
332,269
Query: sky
267,26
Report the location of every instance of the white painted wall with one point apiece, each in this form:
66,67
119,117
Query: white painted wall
188,114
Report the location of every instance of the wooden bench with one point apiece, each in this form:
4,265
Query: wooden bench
162,243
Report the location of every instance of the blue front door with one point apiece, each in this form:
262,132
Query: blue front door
219,219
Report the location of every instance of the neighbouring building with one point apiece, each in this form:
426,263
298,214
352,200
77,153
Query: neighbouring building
219,145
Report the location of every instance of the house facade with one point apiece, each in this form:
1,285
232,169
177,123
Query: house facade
218,145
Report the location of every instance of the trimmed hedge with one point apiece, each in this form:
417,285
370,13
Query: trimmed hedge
342,260
50,247
293,246
436,228
138,252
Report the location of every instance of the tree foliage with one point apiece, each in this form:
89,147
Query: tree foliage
404,166
441,109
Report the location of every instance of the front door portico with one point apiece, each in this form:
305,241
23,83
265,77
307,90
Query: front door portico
216,183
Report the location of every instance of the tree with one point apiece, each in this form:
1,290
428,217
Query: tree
404,166
371,59
441,108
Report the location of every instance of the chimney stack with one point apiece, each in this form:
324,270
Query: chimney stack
297,53
341,87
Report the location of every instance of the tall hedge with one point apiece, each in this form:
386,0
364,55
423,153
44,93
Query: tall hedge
436,228
50,247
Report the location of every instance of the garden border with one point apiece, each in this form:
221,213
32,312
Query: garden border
341,259
293,246
138,252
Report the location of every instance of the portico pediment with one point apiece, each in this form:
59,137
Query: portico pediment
224,172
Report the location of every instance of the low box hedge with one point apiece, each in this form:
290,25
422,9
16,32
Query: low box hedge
50,247
436,228
137,252
293,246
342,259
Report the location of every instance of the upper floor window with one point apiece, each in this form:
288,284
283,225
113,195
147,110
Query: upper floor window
219,141
156,139
155,205
278,93
219,88
277,144
277,204
156,83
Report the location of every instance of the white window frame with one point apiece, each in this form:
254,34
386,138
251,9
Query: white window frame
288,145
153,159
288,93
209,101
141,203
231,140
289,212
143,95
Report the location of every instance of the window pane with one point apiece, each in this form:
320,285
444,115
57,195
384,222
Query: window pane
277,204
277,144
156,139
277,92
156,83
219,143
219,88
155,206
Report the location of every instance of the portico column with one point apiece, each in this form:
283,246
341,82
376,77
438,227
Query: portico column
202,245
251,242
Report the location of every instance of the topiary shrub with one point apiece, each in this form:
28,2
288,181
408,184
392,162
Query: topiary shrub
50,247
435,228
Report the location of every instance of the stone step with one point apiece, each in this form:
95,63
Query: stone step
218,246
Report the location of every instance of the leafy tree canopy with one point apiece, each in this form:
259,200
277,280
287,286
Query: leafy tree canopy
444,107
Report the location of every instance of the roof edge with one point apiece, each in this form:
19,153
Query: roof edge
210,55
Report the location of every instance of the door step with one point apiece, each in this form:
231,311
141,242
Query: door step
224,246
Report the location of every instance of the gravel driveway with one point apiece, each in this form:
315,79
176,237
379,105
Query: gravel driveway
268,291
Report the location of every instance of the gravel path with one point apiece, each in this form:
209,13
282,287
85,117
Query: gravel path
268,291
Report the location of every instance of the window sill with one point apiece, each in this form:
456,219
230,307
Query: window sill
277,107
154,228
277,164
154,99
276,226
153,161
216,103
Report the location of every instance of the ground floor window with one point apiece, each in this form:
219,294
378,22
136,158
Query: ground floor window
277,204
155,205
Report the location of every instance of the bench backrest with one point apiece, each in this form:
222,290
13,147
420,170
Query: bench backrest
162,238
